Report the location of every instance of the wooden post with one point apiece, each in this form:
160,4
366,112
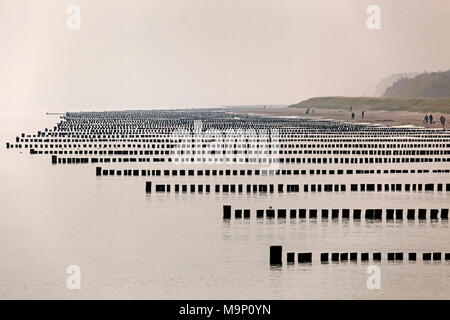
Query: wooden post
276,253
226,212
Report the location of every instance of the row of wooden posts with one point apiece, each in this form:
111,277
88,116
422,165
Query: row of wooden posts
252,172
276,256
357,214
235,159
295,188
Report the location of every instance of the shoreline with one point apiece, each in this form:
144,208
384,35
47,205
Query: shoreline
387,118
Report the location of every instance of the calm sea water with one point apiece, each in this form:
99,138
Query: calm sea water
132,245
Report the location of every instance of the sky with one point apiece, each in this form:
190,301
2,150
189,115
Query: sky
132,54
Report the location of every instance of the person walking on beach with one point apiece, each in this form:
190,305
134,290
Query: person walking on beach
353,116
362,115
431,118
442,119
426,119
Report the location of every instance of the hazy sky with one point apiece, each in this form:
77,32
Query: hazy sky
210,52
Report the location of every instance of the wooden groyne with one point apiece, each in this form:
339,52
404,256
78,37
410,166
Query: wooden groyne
276,257
345,214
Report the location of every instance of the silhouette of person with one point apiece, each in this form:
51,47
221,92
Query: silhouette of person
431,118
362,115
426,119
353,115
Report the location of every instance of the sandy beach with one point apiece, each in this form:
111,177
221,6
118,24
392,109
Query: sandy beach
390,118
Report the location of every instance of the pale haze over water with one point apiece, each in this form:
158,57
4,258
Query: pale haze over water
210,53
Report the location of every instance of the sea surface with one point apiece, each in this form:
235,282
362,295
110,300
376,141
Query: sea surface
129,244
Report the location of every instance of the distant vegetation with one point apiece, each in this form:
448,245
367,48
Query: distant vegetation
389,81
388,104
425,85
